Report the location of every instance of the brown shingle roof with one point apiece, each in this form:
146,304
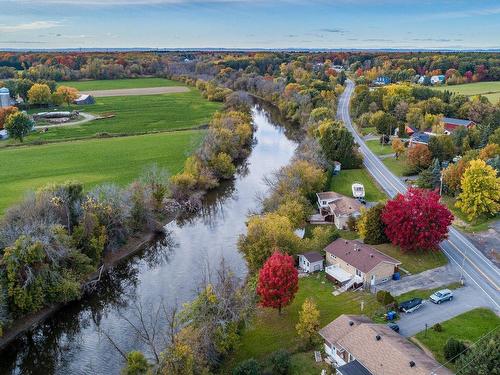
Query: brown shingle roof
391,354
313,256
341,326
359,255
341,204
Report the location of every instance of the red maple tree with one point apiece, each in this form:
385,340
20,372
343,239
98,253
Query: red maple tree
416,220
278,281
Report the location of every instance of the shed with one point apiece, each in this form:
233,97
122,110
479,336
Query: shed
311,262
84,99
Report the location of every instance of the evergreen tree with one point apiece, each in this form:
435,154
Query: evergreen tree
482,358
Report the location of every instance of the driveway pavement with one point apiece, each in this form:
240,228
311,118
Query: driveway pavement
466,298
429,279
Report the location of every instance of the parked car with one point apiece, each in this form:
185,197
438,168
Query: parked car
393,326
411,305
441,296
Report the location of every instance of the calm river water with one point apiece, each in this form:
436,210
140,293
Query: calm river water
169,269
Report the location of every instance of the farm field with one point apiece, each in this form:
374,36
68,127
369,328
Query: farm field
489,89
137,115
113,84
117,160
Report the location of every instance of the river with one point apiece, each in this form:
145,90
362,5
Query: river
169,269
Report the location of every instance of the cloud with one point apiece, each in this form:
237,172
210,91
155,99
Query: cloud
326,30
20,42
464,13
35,25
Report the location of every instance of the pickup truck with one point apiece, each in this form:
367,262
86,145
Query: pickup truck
411,305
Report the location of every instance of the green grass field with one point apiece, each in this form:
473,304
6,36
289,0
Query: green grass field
414,262
468,327
396,166
379,149
137,114
489,89
119,160
112,84
270,331
342,183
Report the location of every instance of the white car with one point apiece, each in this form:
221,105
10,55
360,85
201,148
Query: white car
441,296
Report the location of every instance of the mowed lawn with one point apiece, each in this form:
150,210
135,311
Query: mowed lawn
469,327
379,149
112,84
270,331
489,89
342,183
137,115
118,160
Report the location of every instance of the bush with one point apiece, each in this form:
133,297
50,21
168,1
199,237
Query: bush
437,327
453,348
385,298
280,362
137,364
248,367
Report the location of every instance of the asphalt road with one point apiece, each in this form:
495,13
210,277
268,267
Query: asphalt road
476,268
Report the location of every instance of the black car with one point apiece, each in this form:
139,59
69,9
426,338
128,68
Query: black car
410,305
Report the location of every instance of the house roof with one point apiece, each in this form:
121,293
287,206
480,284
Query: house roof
383,351
313,256
420,137
340,205
341,326
353,368
457,121
359,255
377,349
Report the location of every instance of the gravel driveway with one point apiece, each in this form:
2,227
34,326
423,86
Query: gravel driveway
466,298
429,279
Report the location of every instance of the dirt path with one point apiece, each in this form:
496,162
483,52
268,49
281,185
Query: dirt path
138,91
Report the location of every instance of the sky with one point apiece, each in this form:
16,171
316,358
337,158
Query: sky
334,24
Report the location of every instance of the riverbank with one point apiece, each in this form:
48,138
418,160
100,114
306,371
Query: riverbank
29,321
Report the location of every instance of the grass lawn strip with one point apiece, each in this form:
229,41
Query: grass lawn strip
479,224
342,183
468,327
425,293
379,149
270,331
114,84
414,261
114,160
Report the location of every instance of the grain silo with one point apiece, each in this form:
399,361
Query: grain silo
4,97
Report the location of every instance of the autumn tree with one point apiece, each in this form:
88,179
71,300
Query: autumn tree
370,226
39,94
480,190
398,147
278,281
18,125
416,220
308,324
67,94
6,112
441,147
418,158
337,144
137,364
452,177
264,234
384,122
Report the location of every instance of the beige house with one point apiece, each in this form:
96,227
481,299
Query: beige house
352,263
357,346
337,208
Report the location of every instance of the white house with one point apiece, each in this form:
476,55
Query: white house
358,346
311,262
337,208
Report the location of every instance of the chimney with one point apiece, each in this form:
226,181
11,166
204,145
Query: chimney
412,364
378,337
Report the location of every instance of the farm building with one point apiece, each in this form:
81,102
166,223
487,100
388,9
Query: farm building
5,99
84,99
452,124
436,80
419,138
311,262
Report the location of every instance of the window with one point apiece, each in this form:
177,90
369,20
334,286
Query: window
359,273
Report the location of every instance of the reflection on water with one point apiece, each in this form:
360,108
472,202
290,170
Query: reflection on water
169,270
